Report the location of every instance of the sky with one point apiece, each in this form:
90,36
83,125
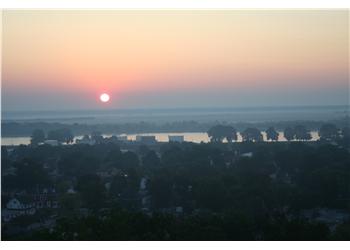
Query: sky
64,59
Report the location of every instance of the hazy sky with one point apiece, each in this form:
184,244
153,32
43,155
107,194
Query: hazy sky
62,59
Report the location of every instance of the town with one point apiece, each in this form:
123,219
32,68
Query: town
262,187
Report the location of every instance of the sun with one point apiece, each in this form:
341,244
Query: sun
104,97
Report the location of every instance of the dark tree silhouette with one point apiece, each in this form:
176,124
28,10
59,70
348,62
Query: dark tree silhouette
161,191
328,131
346,133
151,160
30,174
92,190
220,132
97,136
301,133
61,135
271,134
289,133
38,136
252,134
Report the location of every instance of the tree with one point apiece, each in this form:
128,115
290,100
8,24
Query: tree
37,137
252,134
151,160
271,134
114,157
210,194
61,135
346,133
129,160
119,184
220,132
78,163
70,202
97,136
301,133
92,190
289,133
161,191
328,131
30,173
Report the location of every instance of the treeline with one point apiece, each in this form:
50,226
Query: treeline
126,225
327,131
217,133
60,135
13,129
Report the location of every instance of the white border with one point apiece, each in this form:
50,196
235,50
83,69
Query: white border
178,4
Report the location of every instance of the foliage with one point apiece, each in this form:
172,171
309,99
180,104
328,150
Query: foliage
61,135
37,137
252,134
328,131
220,132
271,134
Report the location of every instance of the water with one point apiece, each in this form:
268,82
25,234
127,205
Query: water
161,137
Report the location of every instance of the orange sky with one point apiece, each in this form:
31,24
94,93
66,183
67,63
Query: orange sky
125,52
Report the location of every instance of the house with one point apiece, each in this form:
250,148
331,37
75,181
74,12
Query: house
249,155
15,208
176,138
71,191
143,184
146,202
330,217
15,204
45,198
8,171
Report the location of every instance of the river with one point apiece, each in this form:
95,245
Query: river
196,137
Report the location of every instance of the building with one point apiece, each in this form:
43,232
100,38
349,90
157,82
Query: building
176,138
248,155
143,184
146,139
45,198
51,142
86,140
15,208
122,138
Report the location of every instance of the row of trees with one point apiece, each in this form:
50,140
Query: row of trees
61,135
216,133
328,132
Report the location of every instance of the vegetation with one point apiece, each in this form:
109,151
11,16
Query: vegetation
252,134
253,190
329,131
61,135
220,132
271,134
38,136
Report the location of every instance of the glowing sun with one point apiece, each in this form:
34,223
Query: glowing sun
104,97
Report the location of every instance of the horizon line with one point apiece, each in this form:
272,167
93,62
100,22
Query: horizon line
181,108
